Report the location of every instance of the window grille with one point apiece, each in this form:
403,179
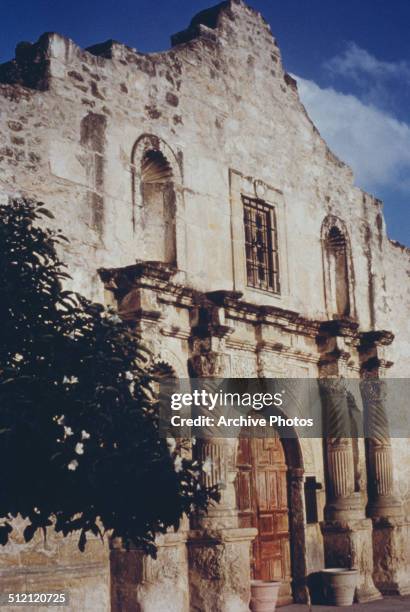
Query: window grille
261,245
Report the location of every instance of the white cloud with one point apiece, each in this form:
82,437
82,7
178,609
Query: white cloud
385,85
374,143
356,62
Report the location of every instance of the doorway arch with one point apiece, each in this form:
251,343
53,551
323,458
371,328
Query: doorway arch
269,493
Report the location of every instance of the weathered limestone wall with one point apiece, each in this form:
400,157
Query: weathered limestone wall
74,125
56,565
397,280
397,263
68,138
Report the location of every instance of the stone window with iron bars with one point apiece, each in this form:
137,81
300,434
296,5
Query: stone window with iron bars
261,245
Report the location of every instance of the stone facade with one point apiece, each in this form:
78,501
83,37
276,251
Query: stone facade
145,161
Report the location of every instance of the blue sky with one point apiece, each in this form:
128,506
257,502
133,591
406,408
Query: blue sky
351,59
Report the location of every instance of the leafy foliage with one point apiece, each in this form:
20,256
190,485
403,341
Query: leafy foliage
79,441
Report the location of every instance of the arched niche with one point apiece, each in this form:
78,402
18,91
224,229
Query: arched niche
337,269
158,204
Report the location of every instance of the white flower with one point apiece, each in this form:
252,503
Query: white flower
129,376
178,463
207,466
114,318
84,435
73,465
171,442
79,448
70,381
67,431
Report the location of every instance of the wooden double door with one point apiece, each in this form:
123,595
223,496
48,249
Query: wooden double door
262,496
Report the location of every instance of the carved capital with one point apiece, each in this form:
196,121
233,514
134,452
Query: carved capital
372,350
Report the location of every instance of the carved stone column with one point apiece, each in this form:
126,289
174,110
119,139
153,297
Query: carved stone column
346,531
220,453
343,502
218,551
139,582
385,509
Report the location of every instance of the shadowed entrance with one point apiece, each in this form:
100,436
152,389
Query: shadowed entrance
269,486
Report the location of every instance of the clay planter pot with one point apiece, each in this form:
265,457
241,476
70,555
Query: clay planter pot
264,595
339,585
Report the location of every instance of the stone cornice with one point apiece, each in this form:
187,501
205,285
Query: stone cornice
375,338
339,327
159,277
129,277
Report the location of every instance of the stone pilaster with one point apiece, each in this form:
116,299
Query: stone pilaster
348,543
219,551
346,531
219,569
139,582
391,555
391,571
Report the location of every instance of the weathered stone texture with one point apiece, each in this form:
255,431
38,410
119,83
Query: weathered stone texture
146,585
97,133
55,564
239,112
